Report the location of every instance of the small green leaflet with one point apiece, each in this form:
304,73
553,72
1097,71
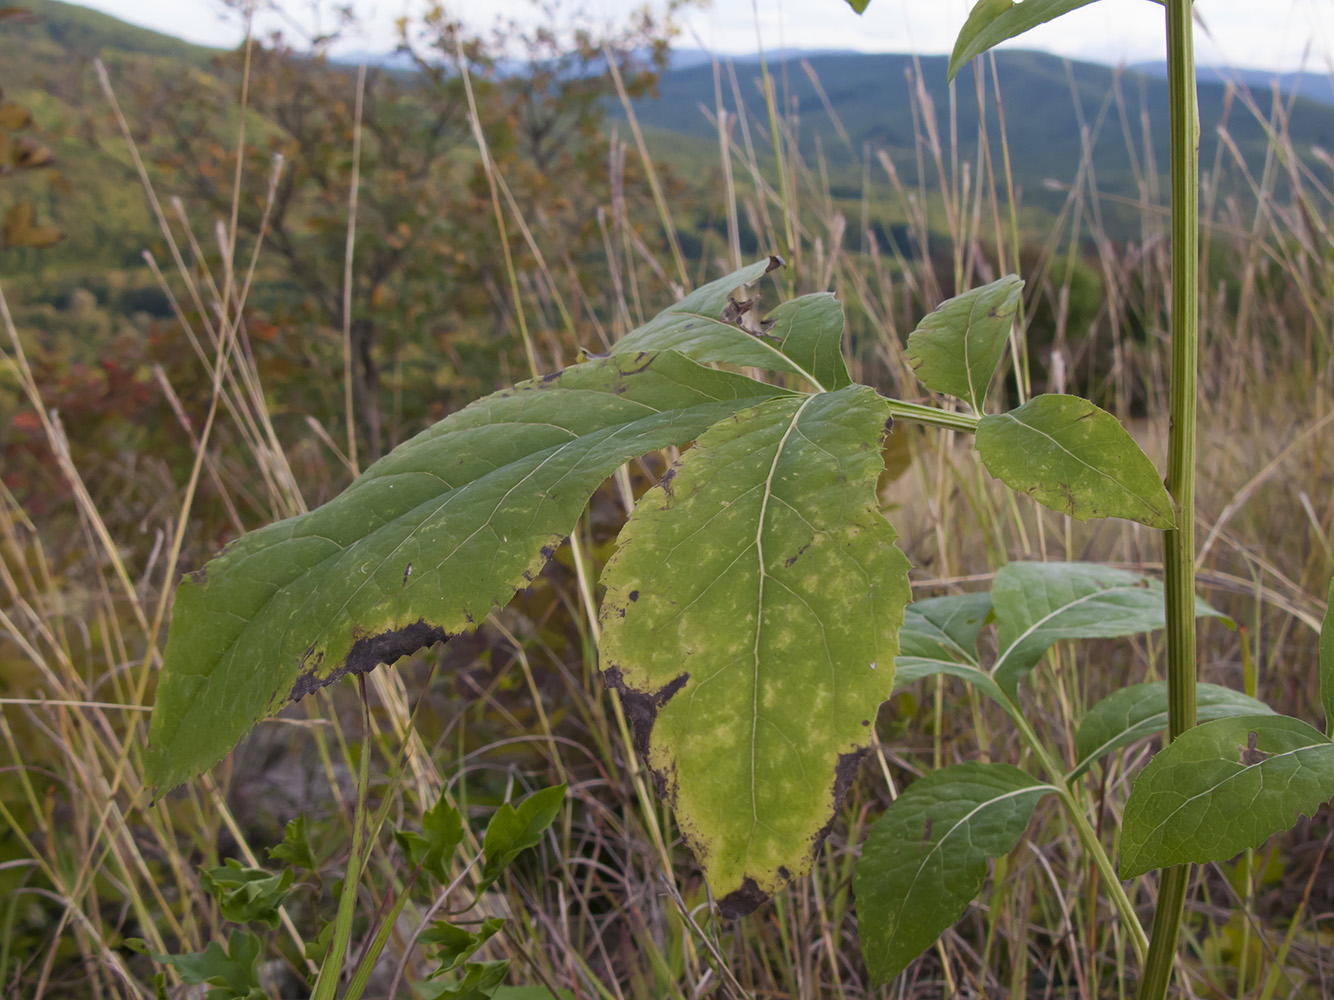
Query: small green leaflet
514,829
750,627
993,21
1135,712
1071,456
956,348
421,547
926,857
1223,787
859,5
705,326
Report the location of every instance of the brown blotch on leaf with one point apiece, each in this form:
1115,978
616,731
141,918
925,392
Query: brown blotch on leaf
367,653
742,902
1249,754
642,709
775,262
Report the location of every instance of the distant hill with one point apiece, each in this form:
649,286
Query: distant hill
1044,97
1313,86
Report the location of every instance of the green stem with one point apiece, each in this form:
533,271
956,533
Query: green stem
966,422
326,985
1084,829
1179,543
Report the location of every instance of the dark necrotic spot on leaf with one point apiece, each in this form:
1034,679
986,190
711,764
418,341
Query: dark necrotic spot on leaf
633,595
741,902
791,559
199,577
641,709
775,262
550,377
366,654
666,481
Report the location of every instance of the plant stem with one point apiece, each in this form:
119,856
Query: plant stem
1179,543
1084,829
948,419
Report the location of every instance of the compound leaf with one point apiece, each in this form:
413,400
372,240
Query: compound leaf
926,857
1139,711
956,348
750,627
706,326
993,21
1077,459
1037,604
421,547
1223,787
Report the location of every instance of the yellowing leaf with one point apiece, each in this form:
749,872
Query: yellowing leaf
750,626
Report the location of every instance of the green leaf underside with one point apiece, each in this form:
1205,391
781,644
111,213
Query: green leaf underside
1327,661
421,547
1038,604
696,327
1139,711
1215,791
944,627
926,857
910,669
993,21
750,626
1071,456
956,348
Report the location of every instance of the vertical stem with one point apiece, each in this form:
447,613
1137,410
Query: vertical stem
1179,543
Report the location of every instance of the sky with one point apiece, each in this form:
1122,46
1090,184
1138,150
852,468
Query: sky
1262,34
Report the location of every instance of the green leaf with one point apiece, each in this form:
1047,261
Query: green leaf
434,847
910,669
1327,662
1037,604
421,547
455,945
750,627
481,981
1138,711
809,331
1223,787
926,857
993,21
945,628
296,849
705,326
247,894
530,993
956,348
513,830
232,970
1075,458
